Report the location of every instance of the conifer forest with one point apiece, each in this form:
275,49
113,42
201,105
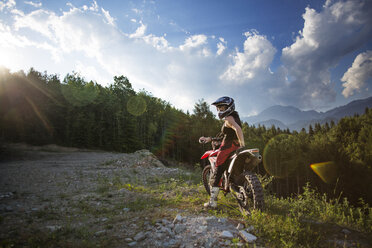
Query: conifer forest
38,109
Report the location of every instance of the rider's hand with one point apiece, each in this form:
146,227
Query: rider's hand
204,139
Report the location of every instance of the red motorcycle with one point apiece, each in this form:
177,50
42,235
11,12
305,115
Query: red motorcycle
239,179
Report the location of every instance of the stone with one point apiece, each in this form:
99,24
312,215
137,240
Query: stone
140,236
240,226
345,231
100,233
53,228
223,221
8,209
128,240
174,242
227,235
165,221
201,229
159,236
133,226
250,229
133,244
210,243
167,231
249,238
179,228
177,219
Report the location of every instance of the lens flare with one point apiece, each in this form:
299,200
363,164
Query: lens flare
80,95
40,115
136,105
327,171
169,136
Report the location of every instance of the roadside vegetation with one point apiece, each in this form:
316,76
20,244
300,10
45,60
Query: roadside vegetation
306,220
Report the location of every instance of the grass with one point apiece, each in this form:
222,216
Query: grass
306,220
311,220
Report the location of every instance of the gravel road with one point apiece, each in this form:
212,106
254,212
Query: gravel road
56,196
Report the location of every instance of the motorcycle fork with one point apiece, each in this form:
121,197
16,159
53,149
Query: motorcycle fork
225,184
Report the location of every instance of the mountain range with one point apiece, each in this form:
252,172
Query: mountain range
295,119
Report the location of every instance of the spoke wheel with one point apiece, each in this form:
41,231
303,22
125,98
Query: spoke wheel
206,175
250,195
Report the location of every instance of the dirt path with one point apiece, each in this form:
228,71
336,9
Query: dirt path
53,196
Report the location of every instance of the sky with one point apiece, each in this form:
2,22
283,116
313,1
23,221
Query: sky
309,54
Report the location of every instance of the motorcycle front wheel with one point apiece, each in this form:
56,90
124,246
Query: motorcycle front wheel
250,195
206,174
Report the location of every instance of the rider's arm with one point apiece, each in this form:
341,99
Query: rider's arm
238,130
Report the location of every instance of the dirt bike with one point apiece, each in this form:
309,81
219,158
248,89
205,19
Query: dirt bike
239,179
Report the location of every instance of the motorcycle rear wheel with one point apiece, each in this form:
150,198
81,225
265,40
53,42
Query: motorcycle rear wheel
206,174
250,195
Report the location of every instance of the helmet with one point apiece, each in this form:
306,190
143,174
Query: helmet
225,101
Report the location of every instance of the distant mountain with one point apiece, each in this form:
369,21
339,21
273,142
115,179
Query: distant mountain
354,107
274,122
284,114
296,119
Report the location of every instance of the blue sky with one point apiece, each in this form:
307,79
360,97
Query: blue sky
308,54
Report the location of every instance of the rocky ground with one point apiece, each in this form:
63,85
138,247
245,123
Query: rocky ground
52,196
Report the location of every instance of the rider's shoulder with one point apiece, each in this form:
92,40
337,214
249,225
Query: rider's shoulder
229,118
229,121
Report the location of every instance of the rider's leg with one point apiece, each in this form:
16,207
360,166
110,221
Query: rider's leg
221,165
212,203
214,183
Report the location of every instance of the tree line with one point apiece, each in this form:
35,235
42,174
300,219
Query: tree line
38,109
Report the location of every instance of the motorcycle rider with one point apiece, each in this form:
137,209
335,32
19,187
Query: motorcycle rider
233,140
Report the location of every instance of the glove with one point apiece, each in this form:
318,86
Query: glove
203,140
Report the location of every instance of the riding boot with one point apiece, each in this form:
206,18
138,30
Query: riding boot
213,200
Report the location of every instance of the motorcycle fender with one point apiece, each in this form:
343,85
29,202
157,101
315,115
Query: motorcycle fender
206,154
210,153
231,166
253,152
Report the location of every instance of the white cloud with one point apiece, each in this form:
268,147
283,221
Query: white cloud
36,5
85,68
340,28
110,20
7,4
81,39
41,21
137,11
160,43
140,31
94,6
86,39
357,75
221,46
254,61
194,41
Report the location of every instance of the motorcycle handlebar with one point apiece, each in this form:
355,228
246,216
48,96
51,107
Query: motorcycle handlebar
203,140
